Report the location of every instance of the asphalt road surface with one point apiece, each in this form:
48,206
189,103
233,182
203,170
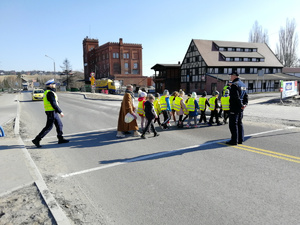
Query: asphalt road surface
184,176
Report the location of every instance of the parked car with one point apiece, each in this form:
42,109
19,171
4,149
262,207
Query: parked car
37,94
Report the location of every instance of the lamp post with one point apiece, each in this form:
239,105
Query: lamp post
53,62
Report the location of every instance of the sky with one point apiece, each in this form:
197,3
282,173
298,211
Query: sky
31,29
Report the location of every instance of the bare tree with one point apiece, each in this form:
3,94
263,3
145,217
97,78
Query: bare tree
67,69
286,50
257,35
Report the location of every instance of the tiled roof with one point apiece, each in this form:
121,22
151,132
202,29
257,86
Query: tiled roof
243,77
211,57
291,70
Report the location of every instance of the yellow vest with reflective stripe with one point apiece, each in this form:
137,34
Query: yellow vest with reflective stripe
163,103
225,103
140,110
156,104
202,105
191,105
176,104
47,104
212,103
172,101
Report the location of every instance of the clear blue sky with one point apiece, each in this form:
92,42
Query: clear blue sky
31,29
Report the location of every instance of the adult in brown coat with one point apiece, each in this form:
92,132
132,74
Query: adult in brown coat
127,106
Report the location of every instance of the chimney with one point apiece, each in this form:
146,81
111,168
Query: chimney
178,62
121,41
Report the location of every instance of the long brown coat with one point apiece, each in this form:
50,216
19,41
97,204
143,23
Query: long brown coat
126,107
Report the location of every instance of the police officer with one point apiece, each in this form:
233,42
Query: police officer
52,111
237,103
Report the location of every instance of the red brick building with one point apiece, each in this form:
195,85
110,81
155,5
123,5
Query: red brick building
114,60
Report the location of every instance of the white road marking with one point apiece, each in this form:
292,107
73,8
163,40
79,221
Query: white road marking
160,154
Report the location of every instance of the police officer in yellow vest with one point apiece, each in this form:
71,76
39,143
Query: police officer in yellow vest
225,105
214,105
52,111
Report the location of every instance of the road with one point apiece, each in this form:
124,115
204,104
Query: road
185,176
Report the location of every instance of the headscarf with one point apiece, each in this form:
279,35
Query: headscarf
130,92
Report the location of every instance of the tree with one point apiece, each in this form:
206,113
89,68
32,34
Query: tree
257,35
288,44
67,69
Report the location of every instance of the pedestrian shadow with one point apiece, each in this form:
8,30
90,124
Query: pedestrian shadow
209,145
87,140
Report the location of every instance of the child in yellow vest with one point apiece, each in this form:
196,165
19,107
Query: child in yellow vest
141,107
225,106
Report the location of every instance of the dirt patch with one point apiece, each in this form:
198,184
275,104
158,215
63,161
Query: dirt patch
25,206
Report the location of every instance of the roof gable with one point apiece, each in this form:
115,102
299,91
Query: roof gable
211,54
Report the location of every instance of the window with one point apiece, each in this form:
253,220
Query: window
216,70
229,70
250,86
236,59
243,70
126,55
255,70
135,65
225,70
115,55
126,65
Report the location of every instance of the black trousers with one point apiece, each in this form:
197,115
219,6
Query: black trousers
149,123
213,114
236,127
52,119
202,117
167,117
225,115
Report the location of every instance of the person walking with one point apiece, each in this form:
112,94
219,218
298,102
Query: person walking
172,99
127,106
52,111
150,114
180,108
237,103
165,108
203,102
192,106
225,106
140,111
214,106
157,109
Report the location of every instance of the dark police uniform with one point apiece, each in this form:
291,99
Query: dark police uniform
238,99
52,111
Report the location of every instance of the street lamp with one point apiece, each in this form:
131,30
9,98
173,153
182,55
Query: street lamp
53,62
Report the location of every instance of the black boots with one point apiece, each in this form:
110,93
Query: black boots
36,142
62,140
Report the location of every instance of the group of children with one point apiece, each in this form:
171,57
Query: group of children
150,108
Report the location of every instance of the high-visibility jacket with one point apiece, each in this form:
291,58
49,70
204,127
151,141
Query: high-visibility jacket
47,104
202,103
177,104
191,105
163,103
225,103
212,101
156,104
172,102
141,108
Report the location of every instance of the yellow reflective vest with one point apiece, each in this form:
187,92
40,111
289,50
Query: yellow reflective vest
141,107
156,104
191,105
172,102
176,104
163,103
47,104
202,103
212,101
225,103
